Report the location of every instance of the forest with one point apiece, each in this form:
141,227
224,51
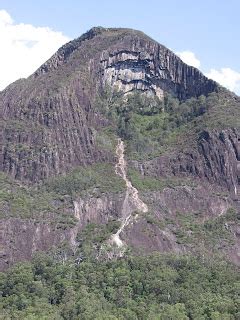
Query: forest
155,286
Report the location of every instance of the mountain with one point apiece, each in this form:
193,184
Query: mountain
115,143
51,113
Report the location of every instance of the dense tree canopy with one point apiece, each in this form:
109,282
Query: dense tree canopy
148,287
154,287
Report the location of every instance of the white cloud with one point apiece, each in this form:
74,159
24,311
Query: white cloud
189,58
24,48
226,77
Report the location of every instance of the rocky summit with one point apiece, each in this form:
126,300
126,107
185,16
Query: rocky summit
115,144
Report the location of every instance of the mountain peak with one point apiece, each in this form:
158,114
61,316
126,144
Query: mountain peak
62,131
129,60
120,58
67,49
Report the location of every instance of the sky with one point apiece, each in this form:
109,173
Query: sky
204,33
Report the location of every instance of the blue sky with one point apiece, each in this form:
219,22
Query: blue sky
207,30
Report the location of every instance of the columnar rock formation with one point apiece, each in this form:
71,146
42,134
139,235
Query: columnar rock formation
216,159
52,122
48,120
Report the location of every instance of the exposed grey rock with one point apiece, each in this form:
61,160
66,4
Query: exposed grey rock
20,239
49,124
47,120
215,159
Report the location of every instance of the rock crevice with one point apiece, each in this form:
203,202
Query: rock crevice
132,201
214,159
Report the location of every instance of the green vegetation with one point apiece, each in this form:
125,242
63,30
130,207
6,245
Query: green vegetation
95,179
224,111
153,220
217,231
149,183
20,126
148,287
149,125
106,139
199,232
93,236
213,232
54,197
22,201
87,285
152,127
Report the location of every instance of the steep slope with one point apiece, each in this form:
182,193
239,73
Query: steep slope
48,120
132,202
62,132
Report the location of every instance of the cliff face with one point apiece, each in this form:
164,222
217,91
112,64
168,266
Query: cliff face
137,64
20,239
44,134
52,123
130,60
215,159
178,221
47,120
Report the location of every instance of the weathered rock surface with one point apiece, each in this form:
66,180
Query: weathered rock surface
149,67
175,211
50,123
44,134
47,120
20,239
215,159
